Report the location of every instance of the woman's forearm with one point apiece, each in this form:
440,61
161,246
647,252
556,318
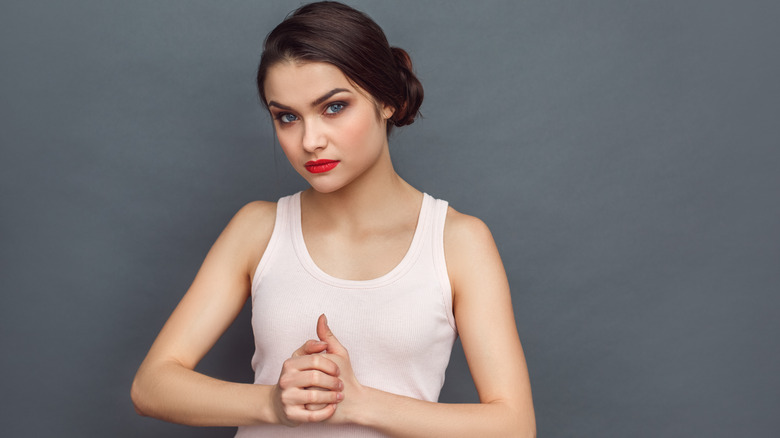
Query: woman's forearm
401,416
172,392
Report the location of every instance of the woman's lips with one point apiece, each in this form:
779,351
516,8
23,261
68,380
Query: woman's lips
320,166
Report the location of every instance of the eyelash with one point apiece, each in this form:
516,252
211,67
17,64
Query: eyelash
341,104
281,116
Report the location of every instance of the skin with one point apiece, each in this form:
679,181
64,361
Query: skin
358,221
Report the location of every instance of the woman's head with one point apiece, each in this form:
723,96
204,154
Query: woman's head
339,35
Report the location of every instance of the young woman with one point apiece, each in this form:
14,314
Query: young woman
378,276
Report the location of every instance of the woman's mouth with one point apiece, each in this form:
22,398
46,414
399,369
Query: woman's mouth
320,166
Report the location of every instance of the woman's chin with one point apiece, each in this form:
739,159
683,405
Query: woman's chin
325,187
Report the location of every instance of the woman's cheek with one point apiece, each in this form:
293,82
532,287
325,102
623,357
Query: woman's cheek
355,131
287,141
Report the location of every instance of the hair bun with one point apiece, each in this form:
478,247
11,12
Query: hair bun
412,90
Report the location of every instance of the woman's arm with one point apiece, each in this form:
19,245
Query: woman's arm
166,385
483,313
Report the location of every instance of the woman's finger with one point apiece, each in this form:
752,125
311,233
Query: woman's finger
292,369
310,379
315,406
304,396
297,399
310,347
303,415
318,397
327,336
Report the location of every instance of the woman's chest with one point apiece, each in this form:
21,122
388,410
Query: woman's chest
359,256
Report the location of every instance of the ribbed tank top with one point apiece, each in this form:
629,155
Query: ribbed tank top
399,328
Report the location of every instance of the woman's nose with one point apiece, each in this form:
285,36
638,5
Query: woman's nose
313,136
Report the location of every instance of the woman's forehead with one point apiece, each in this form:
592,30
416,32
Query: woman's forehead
303,82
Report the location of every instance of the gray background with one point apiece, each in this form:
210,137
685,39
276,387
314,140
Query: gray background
625,155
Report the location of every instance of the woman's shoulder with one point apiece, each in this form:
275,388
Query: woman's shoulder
468,247
250,230
257,211
461,228
254,217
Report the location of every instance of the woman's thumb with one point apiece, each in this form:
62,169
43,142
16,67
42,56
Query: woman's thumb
326,335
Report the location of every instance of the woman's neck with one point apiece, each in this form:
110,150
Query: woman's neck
376,197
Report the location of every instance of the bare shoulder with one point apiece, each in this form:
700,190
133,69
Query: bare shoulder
250,230
256,213
471,255
463,232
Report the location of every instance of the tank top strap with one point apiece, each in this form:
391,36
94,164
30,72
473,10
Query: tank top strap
438,215
279,235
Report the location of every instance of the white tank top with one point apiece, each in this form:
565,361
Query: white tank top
398,328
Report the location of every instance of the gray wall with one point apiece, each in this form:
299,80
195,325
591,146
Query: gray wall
625,155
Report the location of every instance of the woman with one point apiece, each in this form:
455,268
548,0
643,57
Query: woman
395,271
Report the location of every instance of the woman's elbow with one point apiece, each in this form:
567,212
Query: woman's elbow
529,428
524,429
528,425
522,420
138,397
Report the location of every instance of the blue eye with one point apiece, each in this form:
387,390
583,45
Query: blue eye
334,108
286,118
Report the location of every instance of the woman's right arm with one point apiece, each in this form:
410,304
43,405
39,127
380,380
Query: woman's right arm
166,385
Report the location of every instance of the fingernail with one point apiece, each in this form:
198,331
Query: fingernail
339,396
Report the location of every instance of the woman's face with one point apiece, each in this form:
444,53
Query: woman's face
330,130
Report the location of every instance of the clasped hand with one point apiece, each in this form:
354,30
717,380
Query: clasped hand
315,380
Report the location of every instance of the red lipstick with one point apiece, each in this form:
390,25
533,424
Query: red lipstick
320,166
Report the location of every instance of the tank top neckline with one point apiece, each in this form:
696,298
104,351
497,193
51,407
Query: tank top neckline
423,219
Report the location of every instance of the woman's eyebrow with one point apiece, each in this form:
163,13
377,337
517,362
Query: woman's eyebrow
316,102
279,105
327,96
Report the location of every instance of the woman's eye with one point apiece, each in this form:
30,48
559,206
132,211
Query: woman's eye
334,108
286,118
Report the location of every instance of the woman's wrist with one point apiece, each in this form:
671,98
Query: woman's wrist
360,408
265,407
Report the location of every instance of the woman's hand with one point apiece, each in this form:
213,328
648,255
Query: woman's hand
308,380
353,391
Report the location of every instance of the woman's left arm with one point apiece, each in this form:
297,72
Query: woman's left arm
486,325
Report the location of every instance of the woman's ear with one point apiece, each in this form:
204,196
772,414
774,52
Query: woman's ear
387,111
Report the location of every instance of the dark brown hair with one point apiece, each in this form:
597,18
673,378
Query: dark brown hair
350,40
